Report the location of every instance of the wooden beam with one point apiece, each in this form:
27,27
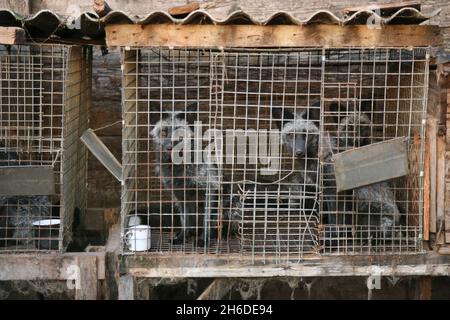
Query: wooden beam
45,266
235,266
217,289
226,36
12,35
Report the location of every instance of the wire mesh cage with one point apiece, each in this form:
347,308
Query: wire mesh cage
45,91
371,96
232,151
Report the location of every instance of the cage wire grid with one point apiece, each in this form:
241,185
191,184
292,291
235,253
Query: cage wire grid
270,121
43,110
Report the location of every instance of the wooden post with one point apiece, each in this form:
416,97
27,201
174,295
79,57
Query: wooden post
111,276
88,278
426,189
126,287
112,263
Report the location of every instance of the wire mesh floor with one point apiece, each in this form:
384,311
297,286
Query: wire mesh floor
163,242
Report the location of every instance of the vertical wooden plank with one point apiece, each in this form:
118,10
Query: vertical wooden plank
70,167
111,276
88,278
426,189
126,287
112,262
440,189
431,140
414,159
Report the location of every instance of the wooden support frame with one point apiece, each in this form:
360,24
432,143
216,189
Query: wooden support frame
90,268
226,36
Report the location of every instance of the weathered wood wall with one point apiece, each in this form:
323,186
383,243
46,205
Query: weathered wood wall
104,189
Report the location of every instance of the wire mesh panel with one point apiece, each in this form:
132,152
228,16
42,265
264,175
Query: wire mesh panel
370,96
237,189
232,151
43,108
265,102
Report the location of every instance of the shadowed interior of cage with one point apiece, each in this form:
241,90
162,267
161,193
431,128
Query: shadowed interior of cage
235,94
31,117
381,95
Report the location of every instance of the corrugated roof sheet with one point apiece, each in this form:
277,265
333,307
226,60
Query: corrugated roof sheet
45,23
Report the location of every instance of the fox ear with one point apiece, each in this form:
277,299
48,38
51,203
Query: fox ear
281,116
156,112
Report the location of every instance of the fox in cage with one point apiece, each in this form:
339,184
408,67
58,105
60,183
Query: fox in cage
201,198
281,196
375,204
194,186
